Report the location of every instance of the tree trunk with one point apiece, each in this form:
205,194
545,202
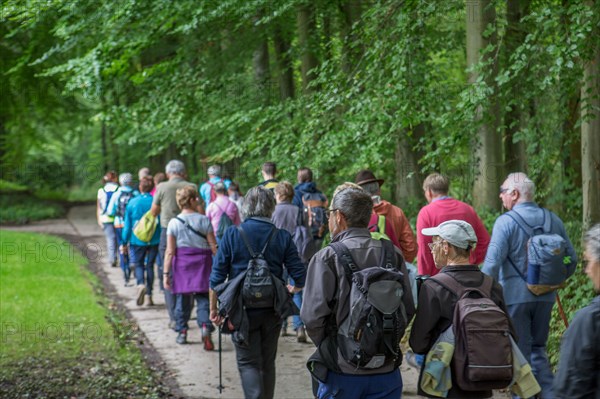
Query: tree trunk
306,31
590,141
488,151
409,181
514,149
351,49
260,63
284,63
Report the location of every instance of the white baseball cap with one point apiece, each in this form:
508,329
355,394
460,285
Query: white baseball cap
457,232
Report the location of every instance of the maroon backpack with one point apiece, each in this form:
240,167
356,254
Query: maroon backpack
483,352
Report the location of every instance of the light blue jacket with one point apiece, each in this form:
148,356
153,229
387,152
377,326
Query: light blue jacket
136,208
509,240
114,203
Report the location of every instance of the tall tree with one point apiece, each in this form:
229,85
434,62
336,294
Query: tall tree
282,46
590,139
515,118
306,20
260,61
481,17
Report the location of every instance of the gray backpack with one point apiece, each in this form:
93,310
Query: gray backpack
369,336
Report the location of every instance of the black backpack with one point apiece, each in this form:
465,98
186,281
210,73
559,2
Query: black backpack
258,289
124,198
369,336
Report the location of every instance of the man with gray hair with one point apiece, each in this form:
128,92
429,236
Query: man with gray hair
165,205
327,300
207,189
506,261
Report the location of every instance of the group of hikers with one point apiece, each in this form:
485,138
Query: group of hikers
480,305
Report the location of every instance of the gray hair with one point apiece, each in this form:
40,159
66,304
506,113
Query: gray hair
214,170
591,241
372,188
175,167
220,188
355,204
520,182
258,201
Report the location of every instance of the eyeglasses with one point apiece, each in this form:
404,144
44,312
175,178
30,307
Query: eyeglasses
503,190
328,212
432,245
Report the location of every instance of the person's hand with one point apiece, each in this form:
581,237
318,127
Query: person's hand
167,281
215,317
100,224
293,289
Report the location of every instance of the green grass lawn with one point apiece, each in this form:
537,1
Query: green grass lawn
59,337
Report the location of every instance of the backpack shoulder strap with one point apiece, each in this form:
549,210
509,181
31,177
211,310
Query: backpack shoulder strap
547,221
387,254
381,223
193,230
514,215
343,254
449,283
271,236
245,238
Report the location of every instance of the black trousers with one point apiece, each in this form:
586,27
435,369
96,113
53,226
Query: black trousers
256,362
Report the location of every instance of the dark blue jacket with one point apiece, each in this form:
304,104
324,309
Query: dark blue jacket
233,256
304,188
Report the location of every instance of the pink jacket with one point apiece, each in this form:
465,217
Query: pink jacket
219,206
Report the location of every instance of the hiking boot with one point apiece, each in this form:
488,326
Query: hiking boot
141,292
301,334
182,337
114,263
207,338
148,300
411,360
284,332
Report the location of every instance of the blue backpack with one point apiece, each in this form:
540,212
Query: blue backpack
546,260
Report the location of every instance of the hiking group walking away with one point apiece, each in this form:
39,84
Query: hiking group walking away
351,275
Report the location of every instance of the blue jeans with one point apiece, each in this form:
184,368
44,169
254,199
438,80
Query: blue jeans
123,258
169,297
297,298
111,241
183,310
347,386
142,260
531,322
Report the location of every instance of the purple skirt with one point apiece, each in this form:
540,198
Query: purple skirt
191,270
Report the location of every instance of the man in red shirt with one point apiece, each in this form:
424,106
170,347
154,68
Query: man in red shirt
442,208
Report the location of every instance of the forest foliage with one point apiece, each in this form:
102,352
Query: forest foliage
94,85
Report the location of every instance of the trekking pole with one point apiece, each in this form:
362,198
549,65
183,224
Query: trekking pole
561,311
220,387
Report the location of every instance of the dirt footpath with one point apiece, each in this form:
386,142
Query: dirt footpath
196,371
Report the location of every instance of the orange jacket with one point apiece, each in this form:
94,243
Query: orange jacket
401,227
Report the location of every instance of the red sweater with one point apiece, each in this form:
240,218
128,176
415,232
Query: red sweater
442,210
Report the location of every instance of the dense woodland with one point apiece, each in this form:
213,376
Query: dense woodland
474,89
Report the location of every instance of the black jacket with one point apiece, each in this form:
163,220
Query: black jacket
231,306
578,373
